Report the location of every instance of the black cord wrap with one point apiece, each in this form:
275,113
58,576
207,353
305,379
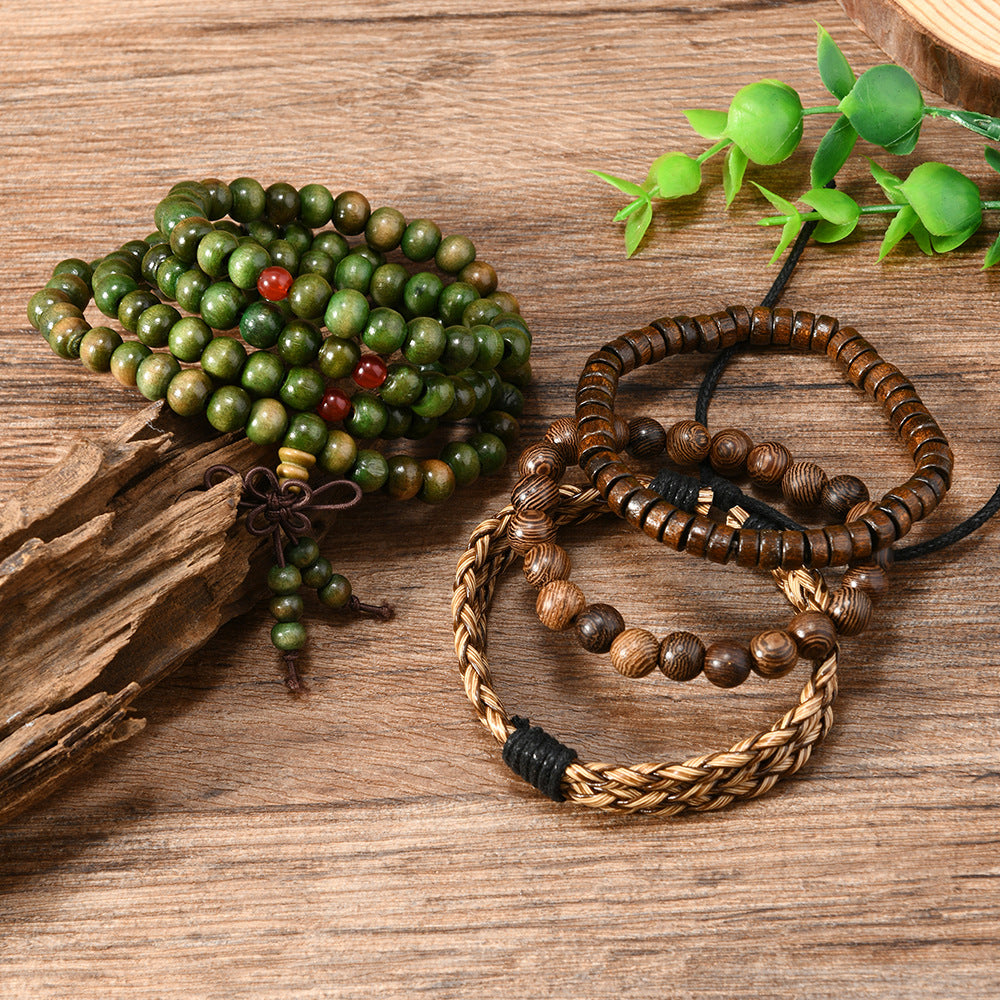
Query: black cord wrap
537,757
677,488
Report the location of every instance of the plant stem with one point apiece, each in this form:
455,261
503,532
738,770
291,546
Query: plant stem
780,220
712,150
983,125
828,109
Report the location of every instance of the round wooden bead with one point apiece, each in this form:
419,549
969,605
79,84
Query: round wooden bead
564,436
850,610
527,528
802,484
682,656
859,510
884,557
841,494
814,634
597,627
767,463
558,603
688,442
635,652
535,492
646,437
545,563
729,451
727,663
774,653
541,458
870,578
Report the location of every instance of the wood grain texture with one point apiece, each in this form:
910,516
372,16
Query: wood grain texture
365,839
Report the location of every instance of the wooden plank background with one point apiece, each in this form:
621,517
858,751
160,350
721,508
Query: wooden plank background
366,840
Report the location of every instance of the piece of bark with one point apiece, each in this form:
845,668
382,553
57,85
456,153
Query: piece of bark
114,567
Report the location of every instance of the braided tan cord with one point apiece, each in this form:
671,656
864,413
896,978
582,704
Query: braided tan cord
747,769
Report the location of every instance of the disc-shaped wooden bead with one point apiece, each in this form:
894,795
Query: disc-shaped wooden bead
546,562
767,463
528,528
727,663
682,656
620,427
729,451
558,603
814,634
850,610
870,577
635,652
859,510
543,458
597,627
535,492
774,653
565,438
646,437
688,442
802,484
841,494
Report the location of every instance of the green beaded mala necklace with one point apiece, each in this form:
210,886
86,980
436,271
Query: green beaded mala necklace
268,323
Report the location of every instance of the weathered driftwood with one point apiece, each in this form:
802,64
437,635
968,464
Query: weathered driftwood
114,567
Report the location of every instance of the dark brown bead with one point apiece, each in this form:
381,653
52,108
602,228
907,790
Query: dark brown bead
814,634
635,652
781,333
802,484
670,332
850,610
774,653
868,577
884,557
840,494
767,463
802,331
729,451
541,458
709,336
597,626
536,492
841,547
528,528
761,326
646,437
479,274
682,656
545,563
620,428
688,442
727,663
558,603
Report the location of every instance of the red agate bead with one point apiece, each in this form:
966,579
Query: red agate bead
334,406
274,282
370,372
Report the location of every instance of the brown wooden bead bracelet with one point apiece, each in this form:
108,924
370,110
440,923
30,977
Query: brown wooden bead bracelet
834,545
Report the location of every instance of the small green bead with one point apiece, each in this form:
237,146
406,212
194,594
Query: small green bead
385,331
491,450
77,290
510,319
398,420
55,313
302,552
300,237
367,418
421,293
465,401
406,477
317,573
168,274
336,593
437,397
299,343
42,300
347,314
220,197
116,263
267,422
454,253
188,338
339,454
224,358
154,375
214,251
126,359
154,325
194,191
338,358
370,470
152,260
463,460
387,285
503,425
425,340
249,200
439,481
482,389
480,311
507,302
332,244
489,347
284,579
262,374
307,432
190,288
222,304
520,377
229,408
282,203
309,295
516,349
384,229
354,271
402,385
350,212
261,324
156,237
98,346
302,389
510,399
185,237
245,264
317,262
288,636
421,427
286,607
174,209
65,337
283,254
110,292
133,305
420,240
73,265
261,232
454,300
460,349
315,205
188,392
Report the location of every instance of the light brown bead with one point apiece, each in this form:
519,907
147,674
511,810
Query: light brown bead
841,494
727,663
542,458
528,528
774,653
814,634
536,492
688,442
767,463
597,627
682,656
802,484
859,510
558,603
546,562
635,652
850,610
870,578
565,438
729,451
646,437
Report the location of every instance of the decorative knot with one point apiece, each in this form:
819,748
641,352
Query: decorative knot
537,757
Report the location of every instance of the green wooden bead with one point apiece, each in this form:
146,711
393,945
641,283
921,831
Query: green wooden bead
398,420
354,271
194,191
185,237
267,422
222,304
302,552
315,205
97,347
299,343
317,573
168,274
190,288
482,389
249,200
284,579
283,254
332,244
56,313
228,408
439,481
421,293
387,284
262,374
261,323
503,425
155,323
316,262
224,358
370,470
516,351
188,392
300,237
351,211
220,197
152,260
385,331
454,300
336,593
286,607
282,203
116,262
384,229
109,293
65,337
460,349
347,314
339,453
489,347
77,290
137,249
465,401
337,358
155,238
288,636
125,361
425,340
437,397
133,305
73,265
306,432
245,264
214,251
420,240
406,477
302,388
491,451
510,319
402,385
42,300
309,295
519,377
261,232
510,399
154,375
480,311
463,460
174,209
367,418
454,253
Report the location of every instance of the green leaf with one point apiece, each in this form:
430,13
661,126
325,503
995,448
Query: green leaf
922,238
788,233
945,243
827,232
833,205
904,221
992,255
732,175
624,213
708,124
781,204
904,144
676,175
889,183
834,69
832,152
623,185
993,157
636,228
